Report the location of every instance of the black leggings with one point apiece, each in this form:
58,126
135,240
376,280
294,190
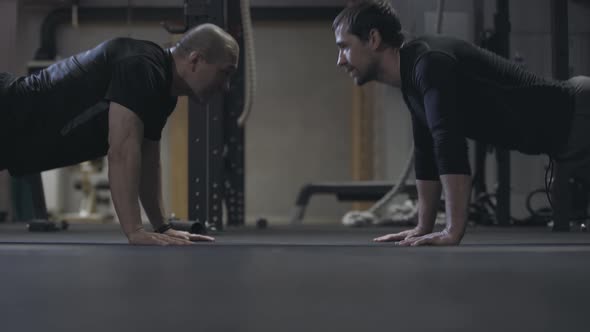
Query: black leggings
577,149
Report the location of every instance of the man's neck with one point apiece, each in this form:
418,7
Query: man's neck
390,68
177,84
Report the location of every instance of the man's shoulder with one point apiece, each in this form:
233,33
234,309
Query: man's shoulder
141,57
125,48
429,44
129,42
434,41
426,50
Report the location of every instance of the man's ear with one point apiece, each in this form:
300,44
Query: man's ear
375,40
194,57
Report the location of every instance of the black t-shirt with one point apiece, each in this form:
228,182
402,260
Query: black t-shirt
59,116
456,90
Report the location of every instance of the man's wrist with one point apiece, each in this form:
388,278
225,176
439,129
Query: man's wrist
163,228
425,228
455,232
157,221
133,230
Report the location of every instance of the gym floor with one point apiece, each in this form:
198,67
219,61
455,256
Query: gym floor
308,278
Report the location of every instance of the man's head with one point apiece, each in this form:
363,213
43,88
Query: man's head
205,59
363,31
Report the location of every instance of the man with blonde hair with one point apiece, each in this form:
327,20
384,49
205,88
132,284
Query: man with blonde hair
114,100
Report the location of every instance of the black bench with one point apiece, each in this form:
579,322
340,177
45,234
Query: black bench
344,191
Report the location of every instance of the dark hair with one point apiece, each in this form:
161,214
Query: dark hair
362,16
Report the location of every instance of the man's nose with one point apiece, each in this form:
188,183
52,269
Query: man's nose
341,59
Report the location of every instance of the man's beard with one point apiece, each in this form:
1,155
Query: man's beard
369,75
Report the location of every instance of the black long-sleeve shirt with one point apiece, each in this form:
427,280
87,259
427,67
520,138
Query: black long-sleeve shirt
456,90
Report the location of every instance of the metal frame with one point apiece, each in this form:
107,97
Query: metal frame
560,39
216,143
499,43
502,48
234,138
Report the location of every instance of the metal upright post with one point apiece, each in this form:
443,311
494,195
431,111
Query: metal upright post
560,57
234,134
206,134
502,48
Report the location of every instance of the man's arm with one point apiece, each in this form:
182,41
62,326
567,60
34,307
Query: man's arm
150,191
124,156
150,188
437,79
427,184
428,203
457,188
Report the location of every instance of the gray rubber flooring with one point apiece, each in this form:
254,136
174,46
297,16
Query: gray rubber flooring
294,279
